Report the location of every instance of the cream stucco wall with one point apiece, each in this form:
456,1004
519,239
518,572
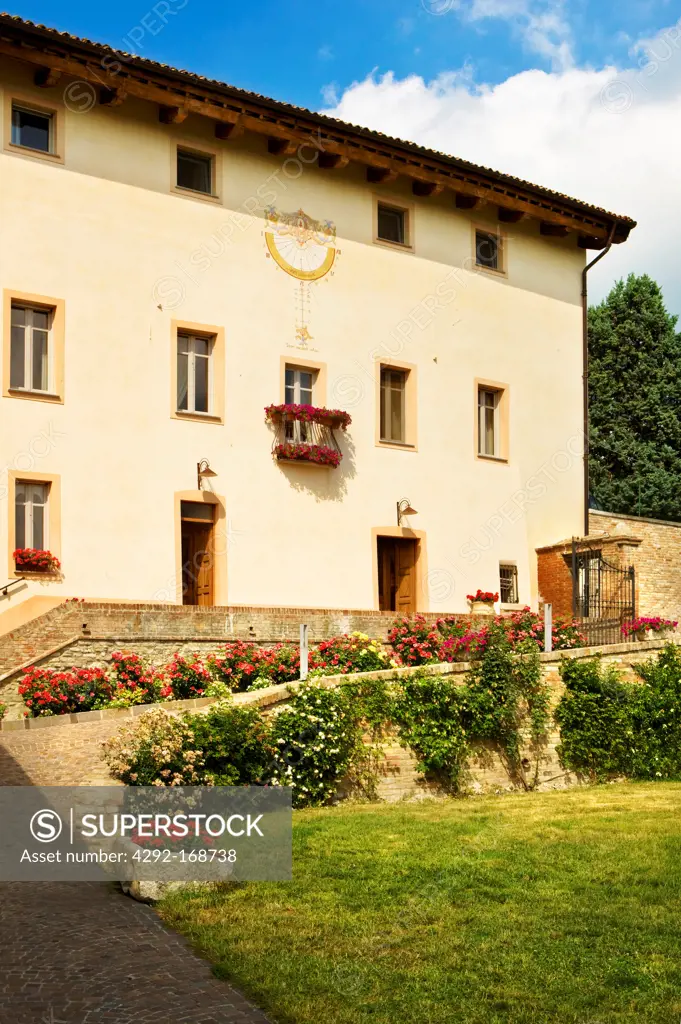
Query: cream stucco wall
105,233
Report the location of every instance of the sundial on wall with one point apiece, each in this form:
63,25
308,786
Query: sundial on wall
306,250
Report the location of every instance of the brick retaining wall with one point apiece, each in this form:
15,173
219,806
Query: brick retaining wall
66,750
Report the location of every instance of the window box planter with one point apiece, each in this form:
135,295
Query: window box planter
332,418
305,434
648,629
314,454
34,561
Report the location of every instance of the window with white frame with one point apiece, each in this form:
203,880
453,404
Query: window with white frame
489,434
30,516
32,129
30,355
508,583
298,385
194,373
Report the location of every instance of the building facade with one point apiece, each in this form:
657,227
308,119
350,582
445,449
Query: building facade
177,256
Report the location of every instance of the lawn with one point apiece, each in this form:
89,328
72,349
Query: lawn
556,907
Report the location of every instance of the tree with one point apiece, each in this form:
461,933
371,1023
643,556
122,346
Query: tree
635,402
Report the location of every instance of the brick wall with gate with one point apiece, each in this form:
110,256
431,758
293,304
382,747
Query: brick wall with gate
656,559
555,569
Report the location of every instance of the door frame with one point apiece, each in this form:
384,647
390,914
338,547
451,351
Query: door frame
220,543
420,566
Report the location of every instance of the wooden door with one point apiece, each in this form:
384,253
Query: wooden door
405,561
197,563
396,575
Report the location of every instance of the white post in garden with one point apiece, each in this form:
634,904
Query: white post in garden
548,628
304,651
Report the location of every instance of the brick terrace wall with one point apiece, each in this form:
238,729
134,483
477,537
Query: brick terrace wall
657,560
67,750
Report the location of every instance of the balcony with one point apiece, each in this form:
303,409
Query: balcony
305,434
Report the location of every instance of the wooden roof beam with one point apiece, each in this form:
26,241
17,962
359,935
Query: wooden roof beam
228,130
172,115
507,216
380,175
462,201
553,230
426,188
47,77
333,161
111,97
282,147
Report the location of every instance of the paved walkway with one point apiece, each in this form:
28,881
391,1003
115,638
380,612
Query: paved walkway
82,953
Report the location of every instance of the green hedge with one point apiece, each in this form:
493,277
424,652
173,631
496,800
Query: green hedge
610,728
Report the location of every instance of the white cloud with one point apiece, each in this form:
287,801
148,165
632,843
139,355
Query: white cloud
608,136
542,25
325,52
330,94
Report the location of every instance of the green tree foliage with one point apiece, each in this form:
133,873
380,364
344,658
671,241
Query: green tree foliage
635,402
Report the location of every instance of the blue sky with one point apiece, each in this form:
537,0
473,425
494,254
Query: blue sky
583,96
293,50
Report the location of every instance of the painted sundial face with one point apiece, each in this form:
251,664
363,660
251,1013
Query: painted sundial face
303,248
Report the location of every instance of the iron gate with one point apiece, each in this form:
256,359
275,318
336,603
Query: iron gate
603,596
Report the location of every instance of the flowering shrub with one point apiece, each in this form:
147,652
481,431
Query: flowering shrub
238,666
485,596
157,749
188,677
46,692
35,560
310,414
461,647
655,625
322,454
236,745
355,652
452,638
315,741
135,684
414,640
527,625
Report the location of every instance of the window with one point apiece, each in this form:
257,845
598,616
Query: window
393,405
30,348
298,391
32,129
487,250
508,584
30,525
392,224
194,373
195,171
488,422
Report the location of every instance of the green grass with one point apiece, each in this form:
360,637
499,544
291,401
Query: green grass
556,907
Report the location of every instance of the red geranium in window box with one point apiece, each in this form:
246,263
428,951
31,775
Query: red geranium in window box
320,454
309,414
35,560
